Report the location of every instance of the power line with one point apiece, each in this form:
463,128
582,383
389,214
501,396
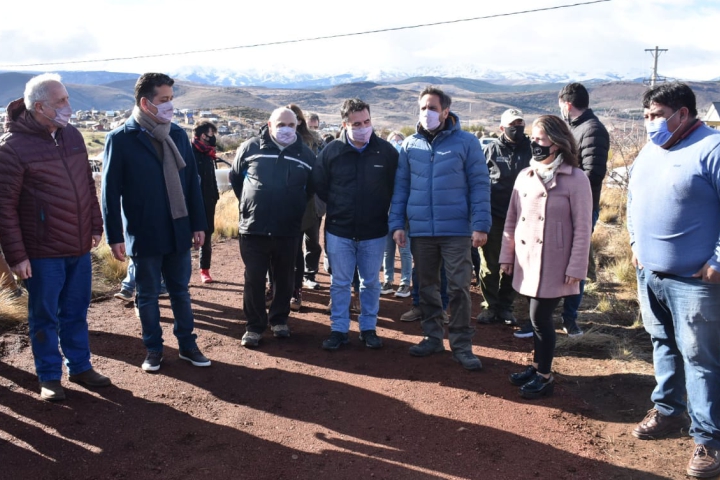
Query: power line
310,39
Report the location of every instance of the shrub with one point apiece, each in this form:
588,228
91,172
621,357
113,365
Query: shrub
226,216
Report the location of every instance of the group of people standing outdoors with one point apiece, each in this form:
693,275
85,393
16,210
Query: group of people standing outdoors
530,203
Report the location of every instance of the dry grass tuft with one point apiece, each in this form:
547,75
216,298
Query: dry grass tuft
613,205
616,344
107,272
226,216
604,305
13,310
624,271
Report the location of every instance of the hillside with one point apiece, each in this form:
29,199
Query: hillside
393,104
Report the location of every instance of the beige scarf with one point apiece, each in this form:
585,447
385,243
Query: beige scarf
172,161
546,172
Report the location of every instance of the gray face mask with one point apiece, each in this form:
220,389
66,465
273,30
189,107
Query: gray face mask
62,116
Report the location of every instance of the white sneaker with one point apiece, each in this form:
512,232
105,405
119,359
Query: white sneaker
311,284
251,339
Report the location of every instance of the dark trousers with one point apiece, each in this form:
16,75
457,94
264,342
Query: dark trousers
429,253
541,310
261,253
496,286
206,249
299,268
313,250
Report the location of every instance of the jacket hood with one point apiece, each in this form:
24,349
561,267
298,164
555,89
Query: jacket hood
20,120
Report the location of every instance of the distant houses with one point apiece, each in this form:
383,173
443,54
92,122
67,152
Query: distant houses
712,117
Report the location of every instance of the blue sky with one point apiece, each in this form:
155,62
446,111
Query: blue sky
607,37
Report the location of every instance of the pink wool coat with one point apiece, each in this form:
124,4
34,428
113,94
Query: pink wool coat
547,232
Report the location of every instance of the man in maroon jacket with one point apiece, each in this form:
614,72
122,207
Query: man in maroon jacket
49,221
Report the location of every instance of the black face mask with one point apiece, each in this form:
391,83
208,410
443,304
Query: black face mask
540,152
515,133
211,140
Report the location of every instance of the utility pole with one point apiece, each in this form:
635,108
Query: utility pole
655,52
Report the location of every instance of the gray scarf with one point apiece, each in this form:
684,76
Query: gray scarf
172,161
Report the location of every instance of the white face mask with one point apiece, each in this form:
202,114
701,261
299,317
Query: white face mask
164,111
285,135
429,119
360,135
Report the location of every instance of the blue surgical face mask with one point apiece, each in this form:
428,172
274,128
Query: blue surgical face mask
658,130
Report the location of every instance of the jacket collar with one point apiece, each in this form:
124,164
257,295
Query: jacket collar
585,116
512,146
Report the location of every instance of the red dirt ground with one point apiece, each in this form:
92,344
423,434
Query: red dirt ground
290,410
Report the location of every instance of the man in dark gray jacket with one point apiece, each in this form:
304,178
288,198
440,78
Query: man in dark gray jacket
271,177
506,156
593,144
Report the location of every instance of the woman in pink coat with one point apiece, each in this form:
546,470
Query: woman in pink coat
546,240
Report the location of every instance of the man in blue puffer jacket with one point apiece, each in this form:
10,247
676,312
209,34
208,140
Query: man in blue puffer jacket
442,188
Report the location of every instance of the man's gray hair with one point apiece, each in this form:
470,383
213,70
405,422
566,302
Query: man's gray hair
36,89
279,111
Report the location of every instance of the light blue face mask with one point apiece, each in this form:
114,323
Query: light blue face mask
658,130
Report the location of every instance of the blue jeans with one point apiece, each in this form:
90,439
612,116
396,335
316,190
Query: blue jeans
682,316
58,301
128,282
571,303
344,255
443,288
389,261
175,268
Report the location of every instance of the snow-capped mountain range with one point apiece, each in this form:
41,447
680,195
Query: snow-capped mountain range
294,79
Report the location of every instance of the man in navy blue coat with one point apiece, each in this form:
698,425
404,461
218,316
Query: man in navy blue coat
153,212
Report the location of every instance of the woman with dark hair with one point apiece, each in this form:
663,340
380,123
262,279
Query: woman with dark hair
310,222
546,240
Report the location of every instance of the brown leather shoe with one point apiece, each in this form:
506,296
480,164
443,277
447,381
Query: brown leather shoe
52,391
91,378
704,463
655,425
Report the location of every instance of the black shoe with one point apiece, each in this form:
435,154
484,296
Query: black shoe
467,360
538,387
371,339
427,347
152,361
336,339
571,328
521,378
526,331
487,317
195,357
